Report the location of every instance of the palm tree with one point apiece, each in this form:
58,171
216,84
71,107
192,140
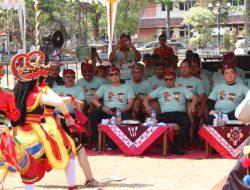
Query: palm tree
168,4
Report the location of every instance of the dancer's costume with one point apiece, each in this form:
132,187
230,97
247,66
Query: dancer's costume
239,177
39,136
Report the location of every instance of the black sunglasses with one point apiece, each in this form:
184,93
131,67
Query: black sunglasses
113,74
168,79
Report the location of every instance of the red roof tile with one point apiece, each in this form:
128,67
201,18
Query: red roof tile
177,22
160,22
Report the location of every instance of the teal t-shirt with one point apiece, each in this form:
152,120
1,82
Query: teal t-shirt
74,91
207,73
90,87
124,61
171,99
193,84
140,89
115,96
155,82
228,97
206,84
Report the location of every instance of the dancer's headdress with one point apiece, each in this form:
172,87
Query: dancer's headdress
25,69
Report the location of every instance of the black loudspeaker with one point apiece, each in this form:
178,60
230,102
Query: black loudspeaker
58,39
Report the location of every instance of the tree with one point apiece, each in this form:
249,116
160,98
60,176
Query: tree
201,19
247,7
167,4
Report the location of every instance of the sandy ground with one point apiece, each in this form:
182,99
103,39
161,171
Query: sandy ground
134,173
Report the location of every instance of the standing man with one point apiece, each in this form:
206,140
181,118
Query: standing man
124,55
172,102
164,50
115,96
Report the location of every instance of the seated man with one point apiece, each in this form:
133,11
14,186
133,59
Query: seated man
196,72
78,100
115,96
225,97
148,65
228,59
172,101
70,89
140,88
89,84
54,78
195,86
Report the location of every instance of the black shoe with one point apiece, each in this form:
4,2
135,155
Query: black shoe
178,151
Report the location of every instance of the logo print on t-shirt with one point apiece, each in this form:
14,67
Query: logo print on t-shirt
111,96
85,88
120,97
222,95
154,87
177,96
190,88
92,91
231,96
166,96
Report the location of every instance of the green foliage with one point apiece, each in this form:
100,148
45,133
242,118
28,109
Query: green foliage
230,39
201,19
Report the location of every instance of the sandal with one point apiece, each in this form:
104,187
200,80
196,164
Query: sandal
91,183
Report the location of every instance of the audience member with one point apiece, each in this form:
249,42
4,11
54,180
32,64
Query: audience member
225,97
115,96
172,102
54,78
124,55
164,51
140,88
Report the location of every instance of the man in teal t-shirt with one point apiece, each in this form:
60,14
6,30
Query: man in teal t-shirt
172,101
69,89
157,79
115,96
124,55
225,97
89,84
140,88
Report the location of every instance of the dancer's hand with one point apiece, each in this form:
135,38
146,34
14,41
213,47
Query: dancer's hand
70,121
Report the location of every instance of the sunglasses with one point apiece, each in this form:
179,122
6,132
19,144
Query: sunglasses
113,74
168,79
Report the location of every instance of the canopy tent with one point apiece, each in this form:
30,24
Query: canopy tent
18,5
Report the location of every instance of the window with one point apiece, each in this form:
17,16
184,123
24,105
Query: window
236,2
163,8
182,33
182,6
